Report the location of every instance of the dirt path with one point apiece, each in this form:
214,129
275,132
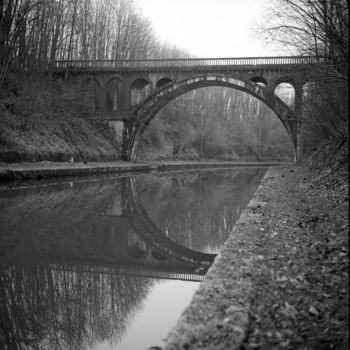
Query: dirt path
281,281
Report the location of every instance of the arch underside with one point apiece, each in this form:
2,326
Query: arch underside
146,110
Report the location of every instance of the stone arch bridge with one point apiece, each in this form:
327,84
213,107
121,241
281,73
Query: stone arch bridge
129,93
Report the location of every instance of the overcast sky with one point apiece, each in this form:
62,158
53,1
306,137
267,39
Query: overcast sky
209,28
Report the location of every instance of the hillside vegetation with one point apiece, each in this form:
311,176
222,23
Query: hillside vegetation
40,123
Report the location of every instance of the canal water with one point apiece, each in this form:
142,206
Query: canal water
110,263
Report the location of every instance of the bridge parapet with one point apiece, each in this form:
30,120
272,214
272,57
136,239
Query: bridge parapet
147,64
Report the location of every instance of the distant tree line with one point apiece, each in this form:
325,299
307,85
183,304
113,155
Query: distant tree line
35,33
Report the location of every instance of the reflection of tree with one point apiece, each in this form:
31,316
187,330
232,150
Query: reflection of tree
55,308
48,217
198,210
51,308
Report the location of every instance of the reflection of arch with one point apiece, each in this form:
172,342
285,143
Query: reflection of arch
91,91
140,89
111,246
162,82
258,80
115,95
89,241
135,245
158,256
146,110
162,247
136,252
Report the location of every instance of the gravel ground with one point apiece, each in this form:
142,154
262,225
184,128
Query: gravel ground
281,281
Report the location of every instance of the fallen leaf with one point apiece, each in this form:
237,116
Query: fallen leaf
281,279
313,311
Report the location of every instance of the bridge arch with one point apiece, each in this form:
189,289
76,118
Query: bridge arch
257,79
115,91
90,88
147,109
284,79
85,77
285,90
162,82
140,82
140,87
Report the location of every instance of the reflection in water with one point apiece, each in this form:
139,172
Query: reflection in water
79,261
198,210
50,307
170,296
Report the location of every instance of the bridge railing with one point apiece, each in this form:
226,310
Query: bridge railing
165,272
192,62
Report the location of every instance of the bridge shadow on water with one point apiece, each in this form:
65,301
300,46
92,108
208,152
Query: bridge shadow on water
78,259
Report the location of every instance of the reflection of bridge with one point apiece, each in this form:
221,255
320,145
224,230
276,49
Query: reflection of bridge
119,240
131,92
137,271
135,241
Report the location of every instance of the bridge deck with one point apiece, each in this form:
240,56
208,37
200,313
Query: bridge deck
192,62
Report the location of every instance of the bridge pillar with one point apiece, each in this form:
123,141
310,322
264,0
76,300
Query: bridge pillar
298,110
103,98
127,97
116,128
270,91
126,135
293,127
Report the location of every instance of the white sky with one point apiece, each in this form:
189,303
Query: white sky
209,28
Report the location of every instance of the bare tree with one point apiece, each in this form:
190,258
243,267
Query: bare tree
13,14
319,28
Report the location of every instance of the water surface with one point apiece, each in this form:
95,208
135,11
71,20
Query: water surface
111,263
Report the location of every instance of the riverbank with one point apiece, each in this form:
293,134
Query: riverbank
46,170
281,280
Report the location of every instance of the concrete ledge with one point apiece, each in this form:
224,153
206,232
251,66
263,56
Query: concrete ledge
218,315
23,174
39,171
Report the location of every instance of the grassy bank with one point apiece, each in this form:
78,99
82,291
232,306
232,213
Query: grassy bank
53,140
40,122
